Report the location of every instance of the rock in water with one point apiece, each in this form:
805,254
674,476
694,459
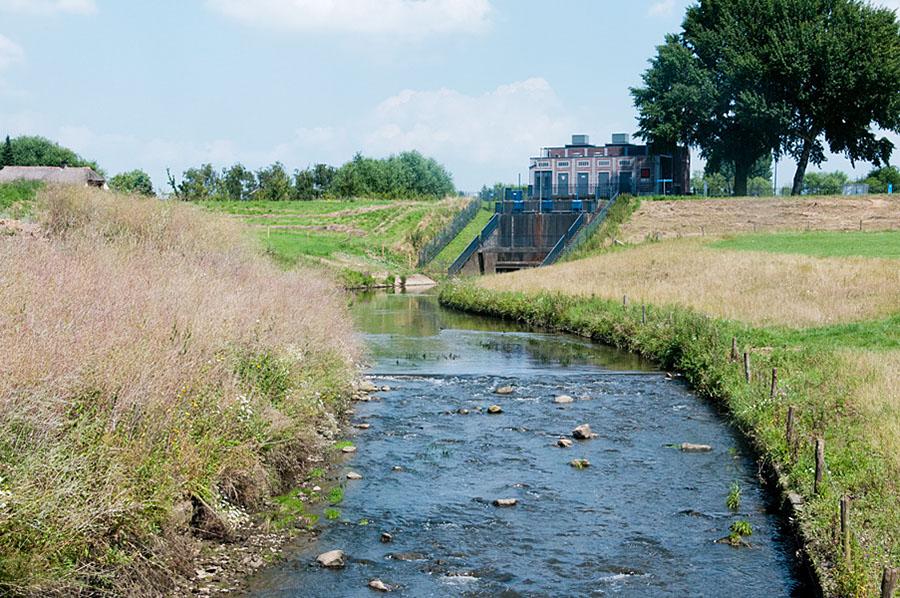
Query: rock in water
396,468
580,463
333,559
506,390
495,409
564,443
349,449
582,432
385,388
504,502
368,386
363,426
354,476
563,399
695,448
386,537
378,585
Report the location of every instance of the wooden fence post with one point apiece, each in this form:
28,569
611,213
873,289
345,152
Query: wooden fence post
820,464
643,314
747,365
789,430
774,390
624,301
734,350
845,528
889,582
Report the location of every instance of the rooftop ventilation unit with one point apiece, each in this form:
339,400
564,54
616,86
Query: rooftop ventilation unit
581,140
621,139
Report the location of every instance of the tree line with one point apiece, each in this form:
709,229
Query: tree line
748,78
406,175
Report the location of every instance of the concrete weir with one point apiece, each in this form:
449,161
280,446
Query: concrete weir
520,241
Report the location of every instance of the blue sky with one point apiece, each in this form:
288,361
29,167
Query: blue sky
481,85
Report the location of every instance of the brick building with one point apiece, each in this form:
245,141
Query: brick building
581,170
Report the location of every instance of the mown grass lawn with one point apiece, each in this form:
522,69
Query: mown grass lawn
884,244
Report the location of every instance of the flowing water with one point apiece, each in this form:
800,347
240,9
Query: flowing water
642,520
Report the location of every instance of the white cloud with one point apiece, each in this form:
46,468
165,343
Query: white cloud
10,52
46,7
501,127
662,8
413,18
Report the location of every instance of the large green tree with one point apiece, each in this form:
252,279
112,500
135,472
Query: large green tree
754,76
6,156
135,181
836,65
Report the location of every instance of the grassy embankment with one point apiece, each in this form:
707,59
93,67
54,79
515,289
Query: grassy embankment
448,254
377,237
830,326
159,379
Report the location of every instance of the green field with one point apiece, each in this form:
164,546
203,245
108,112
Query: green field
885,244
377,236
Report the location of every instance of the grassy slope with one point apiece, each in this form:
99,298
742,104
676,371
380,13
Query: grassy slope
15,198
465,236
157,376
842,376
884,244
376,236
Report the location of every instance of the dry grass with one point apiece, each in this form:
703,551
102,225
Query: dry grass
684,218
757,287
148,356
877,396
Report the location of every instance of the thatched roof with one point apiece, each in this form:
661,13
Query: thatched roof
51,174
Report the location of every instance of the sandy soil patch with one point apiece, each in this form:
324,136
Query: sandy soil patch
685,218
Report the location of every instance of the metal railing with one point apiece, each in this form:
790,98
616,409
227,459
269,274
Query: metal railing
575,190
591,228
473,246
560,246
546,206
437,244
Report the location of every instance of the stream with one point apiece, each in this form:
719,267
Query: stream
641,520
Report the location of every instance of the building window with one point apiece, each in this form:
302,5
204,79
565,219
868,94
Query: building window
543,164
603,162
624,162
645,173
583,163
562,164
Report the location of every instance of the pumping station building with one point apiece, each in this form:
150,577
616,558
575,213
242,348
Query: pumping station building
580,170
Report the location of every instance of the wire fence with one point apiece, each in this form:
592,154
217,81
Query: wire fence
437,244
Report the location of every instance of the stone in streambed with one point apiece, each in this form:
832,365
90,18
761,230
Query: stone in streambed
379,586
564,443
385,388
506,390
582,432
348,449
695,448
363,426
333,559
504,502
580,463
386,537
354,476
463,411
367,386
563,399
495,409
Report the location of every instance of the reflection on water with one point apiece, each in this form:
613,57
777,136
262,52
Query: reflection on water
642,520
414,334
